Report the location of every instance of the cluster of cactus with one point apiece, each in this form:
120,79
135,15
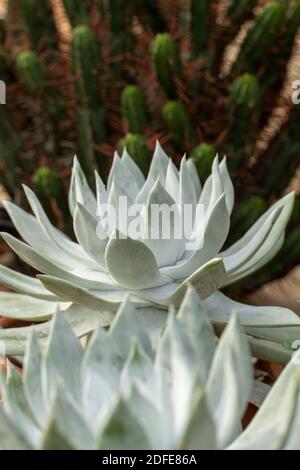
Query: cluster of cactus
157,71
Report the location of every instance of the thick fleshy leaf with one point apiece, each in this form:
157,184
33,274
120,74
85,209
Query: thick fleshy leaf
227,185
219,308
230,382
186,187
70,423
72,292
200,432
37,261
214,234
33,379
82,320
138,369
60,364
123,177
163,233
159,165
200,331
238,259
22,307
90,235
10,438
72,251
206,280
119,204
131,263
53,439
172,182
79,191
122,431
133,168
286,203
31,232
194,177
24,284
270,428
129,318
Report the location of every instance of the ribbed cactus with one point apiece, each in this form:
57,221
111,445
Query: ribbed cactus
120,16
39,22
138,150
244,113
203,156
200,25
31,71
134,109
86,69
76,11
177,122
260,37
166,61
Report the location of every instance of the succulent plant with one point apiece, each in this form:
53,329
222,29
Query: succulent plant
124,392
124,249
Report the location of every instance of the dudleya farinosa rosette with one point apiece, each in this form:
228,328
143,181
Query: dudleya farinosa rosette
90,278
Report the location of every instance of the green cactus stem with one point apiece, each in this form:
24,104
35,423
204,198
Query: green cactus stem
178,123
134,109
203,156
10,146
138,150
200,26
120,16
86,69
260,37
39,22
244,113
166,62
76,11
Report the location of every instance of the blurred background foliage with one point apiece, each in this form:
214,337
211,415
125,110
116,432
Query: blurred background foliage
203,77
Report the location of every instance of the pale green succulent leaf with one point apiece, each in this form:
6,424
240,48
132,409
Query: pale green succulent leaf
33,379
90,234
200,431
122,431
23,307
24,284
194,177
62,357
200,332
82,320
230,382
71,292
131,263
270,428
10,438
166,247
133,168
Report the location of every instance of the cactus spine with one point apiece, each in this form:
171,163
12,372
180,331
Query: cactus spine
86,68
137,149
166,61
203,156
134,109
177,122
